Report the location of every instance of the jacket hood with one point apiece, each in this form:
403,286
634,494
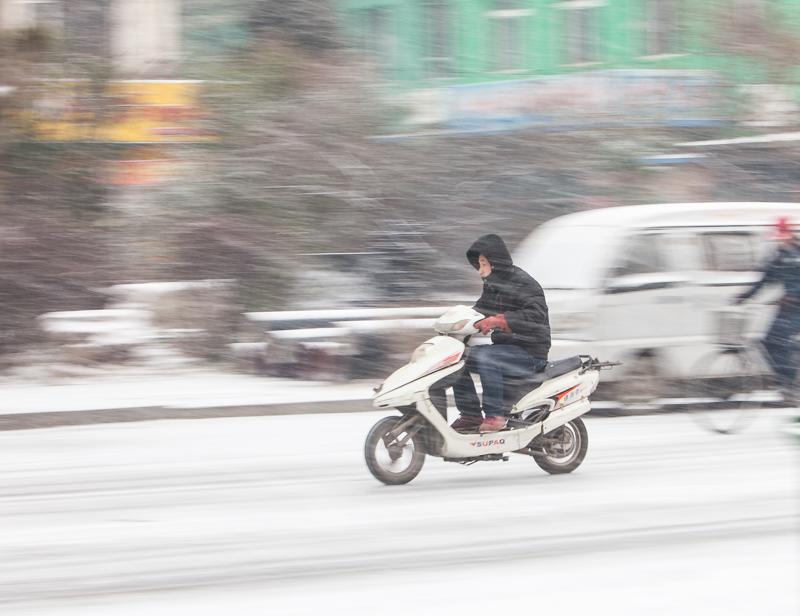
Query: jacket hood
493,248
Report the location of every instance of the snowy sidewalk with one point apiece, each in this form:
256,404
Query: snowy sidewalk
200,393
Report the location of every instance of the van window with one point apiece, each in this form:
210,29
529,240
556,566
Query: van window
684,252
645,256
730,252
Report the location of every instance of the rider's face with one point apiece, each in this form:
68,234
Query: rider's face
485,267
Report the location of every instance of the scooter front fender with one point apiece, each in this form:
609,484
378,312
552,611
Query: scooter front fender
415,390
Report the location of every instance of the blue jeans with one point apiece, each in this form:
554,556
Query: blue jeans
491,362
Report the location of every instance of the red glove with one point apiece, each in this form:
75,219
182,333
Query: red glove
496,322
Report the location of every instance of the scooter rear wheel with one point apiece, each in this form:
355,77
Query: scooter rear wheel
563,449
394,460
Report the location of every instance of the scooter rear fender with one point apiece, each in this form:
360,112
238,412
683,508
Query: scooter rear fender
559,391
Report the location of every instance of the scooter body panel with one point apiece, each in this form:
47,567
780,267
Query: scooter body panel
442,357
560,391
558,418
458,445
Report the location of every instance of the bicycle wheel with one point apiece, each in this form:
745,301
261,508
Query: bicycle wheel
726,389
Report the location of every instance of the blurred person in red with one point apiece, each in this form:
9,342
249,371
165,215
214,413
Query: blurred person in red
784,268
516,314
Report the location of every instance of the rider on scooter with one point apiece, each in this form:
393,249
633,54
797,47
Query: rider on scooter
515,309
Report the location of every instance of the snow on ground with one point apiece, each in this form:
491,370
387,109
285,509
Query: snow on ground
279,515
190,389
736,577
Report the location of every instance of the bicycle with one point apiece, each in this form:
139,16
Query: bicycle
730,384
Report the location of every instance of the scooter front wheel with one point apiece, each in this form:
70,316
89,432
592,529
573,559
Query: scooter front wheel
393,458
563,449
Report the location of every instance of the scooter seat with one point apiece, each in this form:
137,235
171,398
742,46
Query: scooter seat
514,388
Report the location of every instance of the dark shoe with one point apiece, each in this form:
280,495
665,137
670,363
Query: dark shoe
467,422
493,424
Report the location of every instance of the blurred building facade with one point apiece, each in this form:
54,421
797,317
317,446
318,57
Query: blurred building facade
145,33
136,34
498,64
492,65
495,40
141,37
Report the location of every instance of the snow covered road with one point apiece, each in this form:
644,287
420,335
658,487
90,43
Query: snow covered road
279,515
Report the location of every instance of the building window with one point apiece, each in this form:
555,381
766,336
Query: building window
509,30
439,25
380,39
662,27
582,30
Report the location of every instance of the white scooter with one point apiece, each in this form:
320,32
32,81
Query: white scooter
543,420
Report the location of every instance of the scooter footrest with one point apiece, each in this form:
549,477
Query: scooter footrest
489,457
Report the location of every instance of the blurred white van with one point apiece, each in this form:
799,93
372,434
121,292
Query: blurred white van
640,284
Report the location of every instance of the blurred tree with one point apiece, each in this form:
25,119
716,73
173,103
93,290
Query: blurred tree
52,254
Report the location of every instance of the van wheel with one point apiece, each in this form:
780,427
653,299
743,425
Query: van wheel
642,386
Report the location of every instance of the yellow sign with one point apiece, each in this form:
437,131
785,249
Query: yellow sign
147,164
126,112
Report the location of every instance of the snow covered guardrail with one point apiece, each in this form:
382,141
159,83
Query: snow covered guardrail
163,323
277,320
340,343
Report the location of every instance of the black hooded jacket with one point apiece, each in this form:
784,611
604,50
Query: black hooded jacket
511,291
784,268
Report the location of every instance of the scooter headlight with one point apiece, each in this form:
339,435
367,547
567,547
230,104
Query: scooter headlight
448,328
460,325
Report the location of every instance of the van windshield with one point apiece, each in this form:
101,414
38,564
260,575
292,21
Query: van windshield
567,257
